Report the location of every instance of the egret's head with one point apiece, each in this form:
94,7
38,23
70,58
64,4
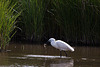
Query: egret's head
51,39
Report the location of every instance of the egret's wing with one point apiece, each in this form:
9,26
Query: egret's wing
64,46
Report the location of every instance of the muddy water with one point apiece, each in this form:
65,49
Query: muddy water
19,55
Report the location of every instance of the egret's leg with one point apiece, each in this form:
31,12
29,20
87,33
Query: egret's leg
65,53
60,54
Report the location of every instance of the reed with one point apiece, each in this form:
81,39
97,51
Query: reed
7,22
33,14
78,19
71,20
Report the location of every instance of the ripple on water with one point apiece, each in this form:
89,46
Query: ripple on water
45,56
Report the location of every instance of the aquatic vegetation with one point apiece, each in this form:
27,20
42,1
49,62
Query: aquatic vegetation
78,19
7,22
73,21
33,14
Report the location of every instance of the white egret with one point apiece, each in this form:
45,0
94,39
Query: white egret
61,45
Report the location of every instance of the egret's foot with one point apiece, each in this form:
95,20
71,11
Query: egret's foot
60,54
65,53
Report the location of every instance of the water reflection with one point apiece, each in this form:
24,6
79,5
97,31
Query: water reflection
45,60
56,60
37,56
46,56
3,58
63,63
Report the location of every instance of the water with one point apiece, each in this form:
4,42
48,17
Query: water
19,55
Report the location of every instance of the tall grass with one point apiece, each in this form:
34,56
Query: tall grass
7,22
78,19
33,14
70,20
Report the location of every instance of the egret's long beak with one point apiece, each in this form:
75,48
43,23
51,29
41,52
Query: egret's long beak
46,43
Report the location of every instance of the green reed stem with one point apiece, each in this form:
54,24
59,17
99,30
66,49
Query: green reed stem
7,21
33,15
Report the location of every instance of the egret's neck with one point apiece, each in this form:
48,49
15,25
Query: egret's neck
53,43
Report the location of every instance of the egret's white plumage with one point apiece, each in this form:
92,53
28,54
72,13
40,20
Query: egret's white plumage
61,45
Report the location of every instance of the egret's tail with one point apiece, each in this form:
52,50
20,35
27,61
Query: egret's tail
72,49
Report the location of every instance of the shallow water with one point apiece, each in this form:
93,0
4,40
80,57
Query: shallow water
19,55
